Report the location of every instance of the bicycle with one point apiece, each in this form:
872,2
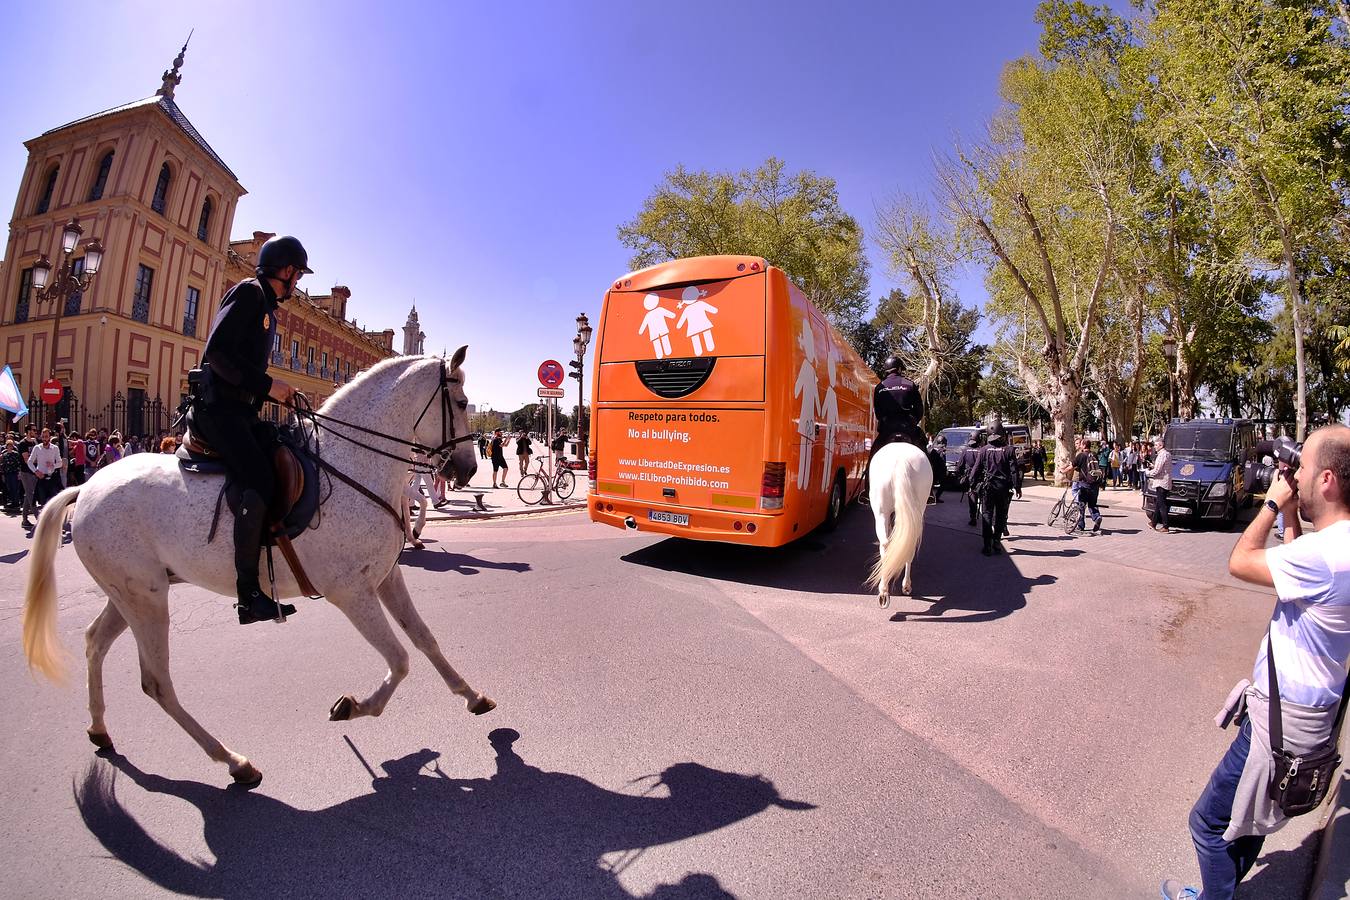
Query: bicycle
539,487
1066,511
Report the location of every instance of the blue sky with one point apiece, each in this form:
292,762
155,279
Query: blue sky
479,157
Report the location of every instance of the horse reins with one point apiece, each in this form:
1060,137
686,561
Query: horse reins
448,441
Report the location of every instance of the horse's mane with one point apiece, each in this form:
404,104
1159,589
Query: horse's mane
374,373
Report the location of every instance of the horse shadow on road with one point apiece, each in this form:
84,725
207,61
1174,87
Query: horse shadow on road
523,832
949,570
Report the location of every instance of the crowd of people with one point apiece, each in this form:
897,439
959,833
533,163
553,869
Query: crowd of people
493,446
37,465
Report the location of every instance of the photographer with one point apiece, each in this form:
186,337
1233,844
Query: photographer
1310,634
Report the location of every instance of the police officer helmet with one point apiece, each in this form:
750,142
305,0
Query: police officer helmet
282,251
892,364
996,436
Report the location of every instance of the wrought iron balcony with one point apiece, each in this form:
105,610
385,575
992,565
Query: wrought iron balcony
190,326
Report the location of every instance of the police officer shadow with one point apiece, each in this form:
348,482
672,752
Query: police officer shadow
522,832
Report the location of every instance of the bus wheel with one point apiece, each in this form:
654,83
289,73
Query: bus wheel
836,507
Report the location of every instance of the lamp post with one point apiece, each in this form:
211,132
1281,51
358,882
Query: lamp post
1169,349
579,344
66,281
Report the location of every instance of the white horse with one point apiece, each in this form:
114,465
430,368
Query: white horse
142,524
901,478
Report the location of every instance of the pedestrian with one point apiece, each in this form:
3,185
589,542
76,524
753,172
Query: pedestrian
235,385
1306,647
1088,476
482,446
1115,462
1038,461
937,460
965,468
523,450
559,450
993,481
10,461
76,449
45,461
1160,483
26,476
498,458
167,444
60,443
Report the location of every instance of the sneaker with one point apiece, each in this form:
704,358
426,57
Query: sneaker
1172,889
1096,527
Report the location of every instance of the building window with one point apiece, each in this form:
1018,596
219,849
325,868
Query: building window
194,297
295,350
276,343
45,201
76,297
204,223
25,294
140,301
161,190
101,179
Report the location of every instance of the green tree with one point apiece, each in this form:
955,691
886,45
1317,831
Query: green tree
792,220
1255,93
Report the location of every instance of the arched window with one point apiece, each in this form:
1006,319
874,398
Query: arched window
204,223
161,189
45,201
101,179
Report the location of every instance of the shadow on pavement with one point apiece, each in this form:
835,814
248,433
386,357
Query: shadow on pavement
459,563
11,558
523,832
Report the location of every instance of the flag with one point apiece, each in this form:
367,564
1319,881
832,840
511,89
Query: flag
11,398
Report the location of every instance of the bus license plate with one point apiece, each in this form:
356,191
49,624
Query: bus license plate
1178,510
670,518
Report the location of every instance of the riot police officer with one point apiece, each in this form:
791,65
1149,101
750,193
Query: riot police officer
993,480
225,413
965,469
899,409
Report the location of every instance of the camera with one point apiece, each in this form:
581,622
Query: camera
1259,474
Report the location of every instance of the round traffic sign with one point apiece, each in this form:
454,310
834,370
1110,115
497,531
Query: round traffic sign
550,373
51,391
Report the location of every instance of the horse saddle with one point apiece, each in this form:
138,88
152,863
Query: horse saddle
296,498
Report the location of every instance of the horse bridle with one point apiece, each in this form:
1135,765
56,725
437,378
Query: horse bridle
448,439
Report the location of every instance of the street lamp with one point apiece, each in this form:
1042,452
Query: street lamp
579,344
66,281
1169,349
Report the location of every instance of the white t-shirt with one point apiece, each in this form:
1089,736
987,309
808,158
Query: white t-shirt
1311,623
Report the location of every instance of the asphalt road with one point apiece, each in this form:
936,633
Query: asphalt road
676,720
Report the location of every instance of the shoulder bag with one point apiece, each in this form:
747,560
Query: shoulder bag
1300,783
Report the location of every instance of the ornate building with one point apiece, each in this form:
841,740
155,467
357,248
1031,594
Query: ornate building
144,182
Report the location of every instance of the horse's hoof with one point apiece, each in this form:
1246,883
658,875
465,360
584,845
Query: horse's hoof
884,600
484,704
100,740
342,710
247,775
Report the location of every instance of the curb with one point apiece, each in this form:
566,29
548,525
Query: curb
1331,875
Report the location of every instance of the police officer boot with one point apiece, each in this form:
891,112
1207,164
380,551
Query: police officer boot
253,604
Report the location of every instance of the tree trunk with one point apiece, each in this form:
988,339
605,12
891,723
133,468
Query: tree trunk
1295,300
1063,415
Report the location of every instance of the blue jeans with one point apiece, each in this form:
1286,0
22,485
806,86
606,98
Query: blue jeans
1086,494
1223,863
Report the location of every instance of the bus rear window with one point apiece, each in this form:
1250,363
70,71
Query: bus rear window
719,318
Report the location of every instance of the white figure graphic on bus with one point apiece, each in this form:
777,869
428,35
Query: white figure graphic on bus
829,413
695,320
808,388
655,323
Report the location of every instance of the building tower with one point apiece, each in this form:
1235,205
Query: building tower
413,337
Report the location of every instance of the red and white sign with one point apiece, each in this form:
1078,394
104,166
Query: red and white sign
549,392
551,374
51,391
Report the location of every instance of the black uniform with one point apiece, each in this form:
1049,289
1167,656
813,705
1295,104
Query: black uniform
993,479
937,458
899,409
965,468
225,415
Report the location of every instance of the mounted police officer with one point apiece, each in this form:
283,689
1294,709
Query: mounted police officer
965,469
993,480
898,406
225,413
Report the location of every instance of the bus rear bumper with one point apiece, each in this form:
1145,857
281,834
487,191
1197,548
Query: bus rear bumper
753,528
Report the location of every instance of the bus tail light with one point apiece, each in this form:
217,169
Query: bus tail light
590,471
771,486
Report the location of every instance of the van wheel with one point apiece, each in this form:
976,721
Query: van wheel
1229,517
836,507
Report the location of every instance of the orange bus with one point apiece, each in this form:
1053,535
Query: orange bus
725,406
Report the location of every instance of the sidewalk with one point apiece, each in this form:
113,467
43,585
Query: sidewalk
499,502
1331,875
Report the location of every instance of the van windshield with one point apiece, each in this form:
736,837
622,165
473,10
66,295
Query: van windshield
1191,442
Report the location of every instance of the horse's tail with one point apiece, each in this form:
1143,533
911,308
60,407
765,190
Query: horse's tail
40,643
910,482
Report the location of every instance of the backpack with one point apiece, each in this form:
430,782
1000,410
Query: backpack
1094,470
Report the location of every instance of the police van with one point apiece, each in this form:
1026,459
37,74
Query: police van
1208,456
1019,438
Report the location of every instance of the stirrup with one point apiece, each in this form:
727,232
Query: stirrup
258,607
